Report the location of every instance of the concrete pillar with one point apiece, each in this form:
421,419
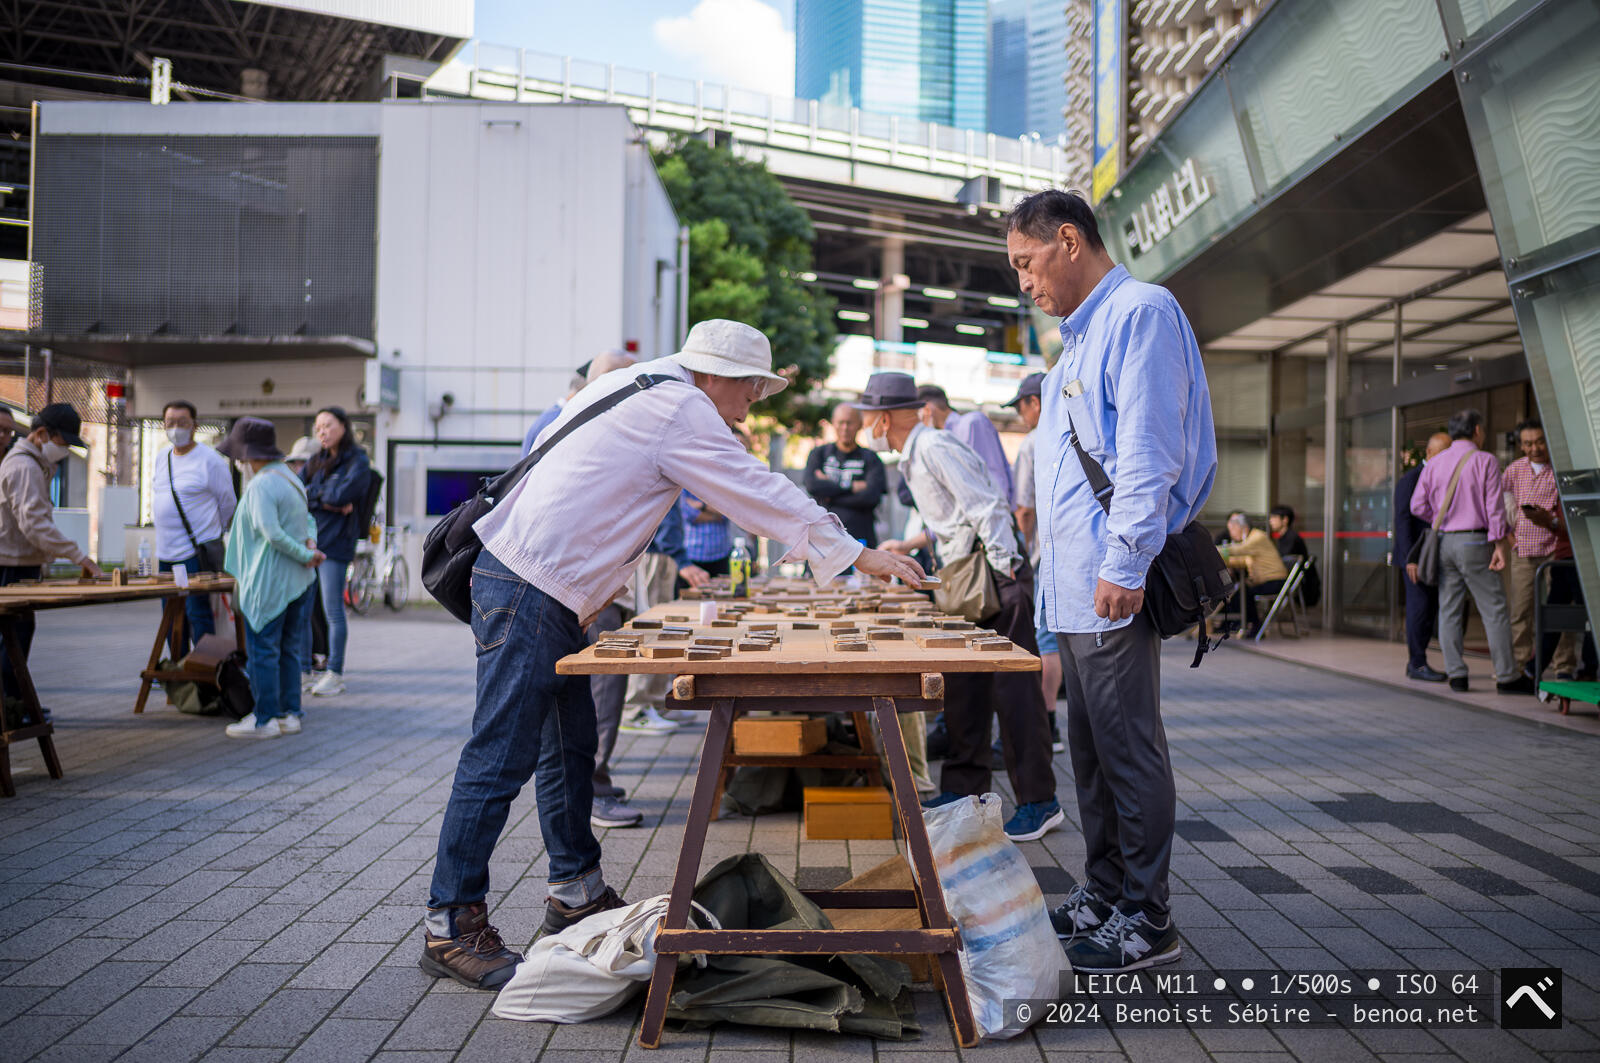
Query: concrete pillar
891,298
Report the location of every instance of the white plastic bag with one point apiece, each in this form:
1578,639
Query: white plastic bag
589,969
1011,951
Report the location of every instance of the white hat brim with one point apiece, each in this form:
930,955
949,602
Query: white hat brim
716,365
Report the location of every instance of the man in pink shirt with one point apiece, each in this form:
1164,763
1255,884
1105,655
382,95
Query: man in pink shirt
1474,546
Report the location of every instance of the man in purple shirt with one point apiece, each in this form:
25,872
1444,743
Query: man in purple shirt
975,430
1473,548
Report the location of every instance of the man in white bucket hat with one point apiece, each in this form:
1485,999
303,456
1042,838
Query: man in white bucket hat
556,549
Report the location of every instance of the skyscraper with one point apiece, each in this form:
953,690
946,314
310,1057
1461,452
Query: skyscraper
1028,60
921,60
1008,67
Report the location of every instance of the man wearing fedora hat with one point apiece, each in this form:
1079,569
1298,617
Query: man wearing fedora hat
29,538
967,511
556,549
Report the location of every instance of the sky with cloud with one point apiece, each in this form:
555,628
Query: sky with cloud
747,43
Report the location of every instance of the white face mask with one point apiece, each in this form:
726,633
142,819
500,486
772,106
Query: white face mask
1538,466
180,436
54,452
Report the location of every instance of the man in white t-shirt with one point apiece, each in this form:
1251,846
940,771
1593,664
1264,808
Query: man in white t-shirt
191,496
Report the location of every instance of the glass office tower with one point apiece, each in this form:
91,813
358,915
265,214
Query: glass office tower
918,60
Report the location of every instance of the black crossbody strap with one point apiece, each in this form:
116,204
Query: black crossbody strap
172,486
512,476
1093,471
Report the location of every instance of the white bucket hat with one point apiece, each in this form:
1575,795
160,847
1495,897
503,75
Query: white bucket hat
731,349
304,449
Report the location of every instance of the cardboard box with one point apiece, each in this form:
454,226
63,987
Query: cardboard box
848,812
779,736
892,874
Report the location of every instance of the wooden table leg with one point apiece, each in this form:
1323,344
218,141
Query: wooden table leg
868,746
925,877
719,732
30,698
724,769
169,615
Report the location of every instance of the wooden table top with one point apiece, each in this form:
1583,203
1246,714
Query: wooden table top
806,638
66,593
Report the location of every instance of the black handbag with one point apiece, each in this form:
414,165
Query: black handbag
1187,581
208,555
451,547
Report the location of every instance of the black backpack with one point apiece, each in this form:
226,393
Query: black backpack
368,506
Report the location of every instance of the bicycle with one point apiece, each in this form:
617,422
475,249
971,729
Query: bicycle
380,569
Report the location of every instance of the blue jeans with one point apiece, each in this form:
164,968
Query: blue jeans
330,584
529,724
196,608
274,662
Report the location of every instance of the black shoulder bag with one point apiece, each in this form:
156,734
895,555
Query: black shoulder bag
451,547
208,555
1188,580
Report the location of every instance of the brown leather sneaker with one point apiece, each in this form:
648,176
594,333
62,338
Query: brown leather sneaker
475,957
557,916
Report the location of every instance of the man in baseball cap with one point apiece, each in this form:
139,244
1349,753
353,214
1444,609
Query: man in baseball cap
556,549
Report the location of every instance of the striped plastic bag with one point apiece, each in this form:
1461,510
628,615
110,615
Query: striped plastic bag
1011,952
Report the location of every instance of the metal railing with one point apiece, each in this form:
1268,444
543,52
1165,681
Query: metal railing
661,101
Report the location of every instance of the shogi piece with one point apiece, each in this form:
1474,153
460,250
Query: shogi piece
918,622
672,635
721,641
753,645
827,614
779,736
644,623
886,634
621,638
673,618
842,625
724,623
656,653
956,625
941,642
848,813
615,651
994,645
756,629
806,625
708,653
852,646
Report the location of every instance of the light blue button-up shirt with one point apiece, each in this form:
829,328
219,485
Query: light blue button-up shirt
1145,413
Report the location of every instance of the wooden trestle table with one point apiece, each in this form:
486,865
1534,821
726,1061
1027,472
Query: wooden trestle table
34,596
798,650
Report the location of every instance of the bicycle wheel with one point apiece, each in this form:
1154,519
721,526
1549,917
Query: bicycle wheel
361,585
397,585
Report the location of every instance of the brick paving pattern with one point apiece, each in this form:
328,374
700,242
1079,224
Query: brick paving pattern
182,896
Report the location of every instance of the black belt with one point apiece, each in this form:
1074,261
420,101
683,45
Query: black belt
1468,531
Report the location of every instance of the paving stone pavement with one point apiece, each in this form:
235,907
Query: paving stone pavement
181,896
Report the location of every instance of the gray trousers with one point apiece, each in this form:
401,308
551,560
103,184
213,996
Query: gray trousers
1464,569
1127,801
607,692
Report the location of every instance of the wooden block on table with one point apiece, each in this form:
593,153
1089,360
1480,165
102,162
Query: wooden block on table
615,651
656,653
757,629
918,622
708,653
644,623
827,614
806,625
673,636
753,645
779,736
848,812
890,634
676,618
702,641
942,642
691,594
992,645
842,625
956,625
724,623
621,636
852,647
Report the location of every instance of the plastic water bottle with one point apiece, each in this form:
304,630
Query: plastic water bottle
739,569
144,557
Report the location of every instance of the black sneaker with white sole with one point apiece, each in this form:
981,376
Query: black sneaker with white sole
1083,912
1125,943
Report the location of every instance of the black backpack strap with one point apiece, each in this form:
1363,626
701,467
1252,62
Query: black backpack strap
511,477
1093,471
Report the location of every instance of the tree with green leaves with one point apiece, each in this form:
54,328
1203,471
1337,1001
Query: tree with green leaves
748,244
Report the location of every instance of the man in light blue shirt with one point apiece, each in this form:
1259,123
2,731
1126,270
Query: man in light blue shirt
1131,384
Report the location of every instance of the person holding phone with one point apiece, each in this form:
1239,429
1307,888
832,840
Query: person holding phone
1540,535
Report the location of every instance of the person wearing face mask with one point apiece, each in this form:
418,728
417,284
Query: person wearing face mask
336,482
29,538
192,502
